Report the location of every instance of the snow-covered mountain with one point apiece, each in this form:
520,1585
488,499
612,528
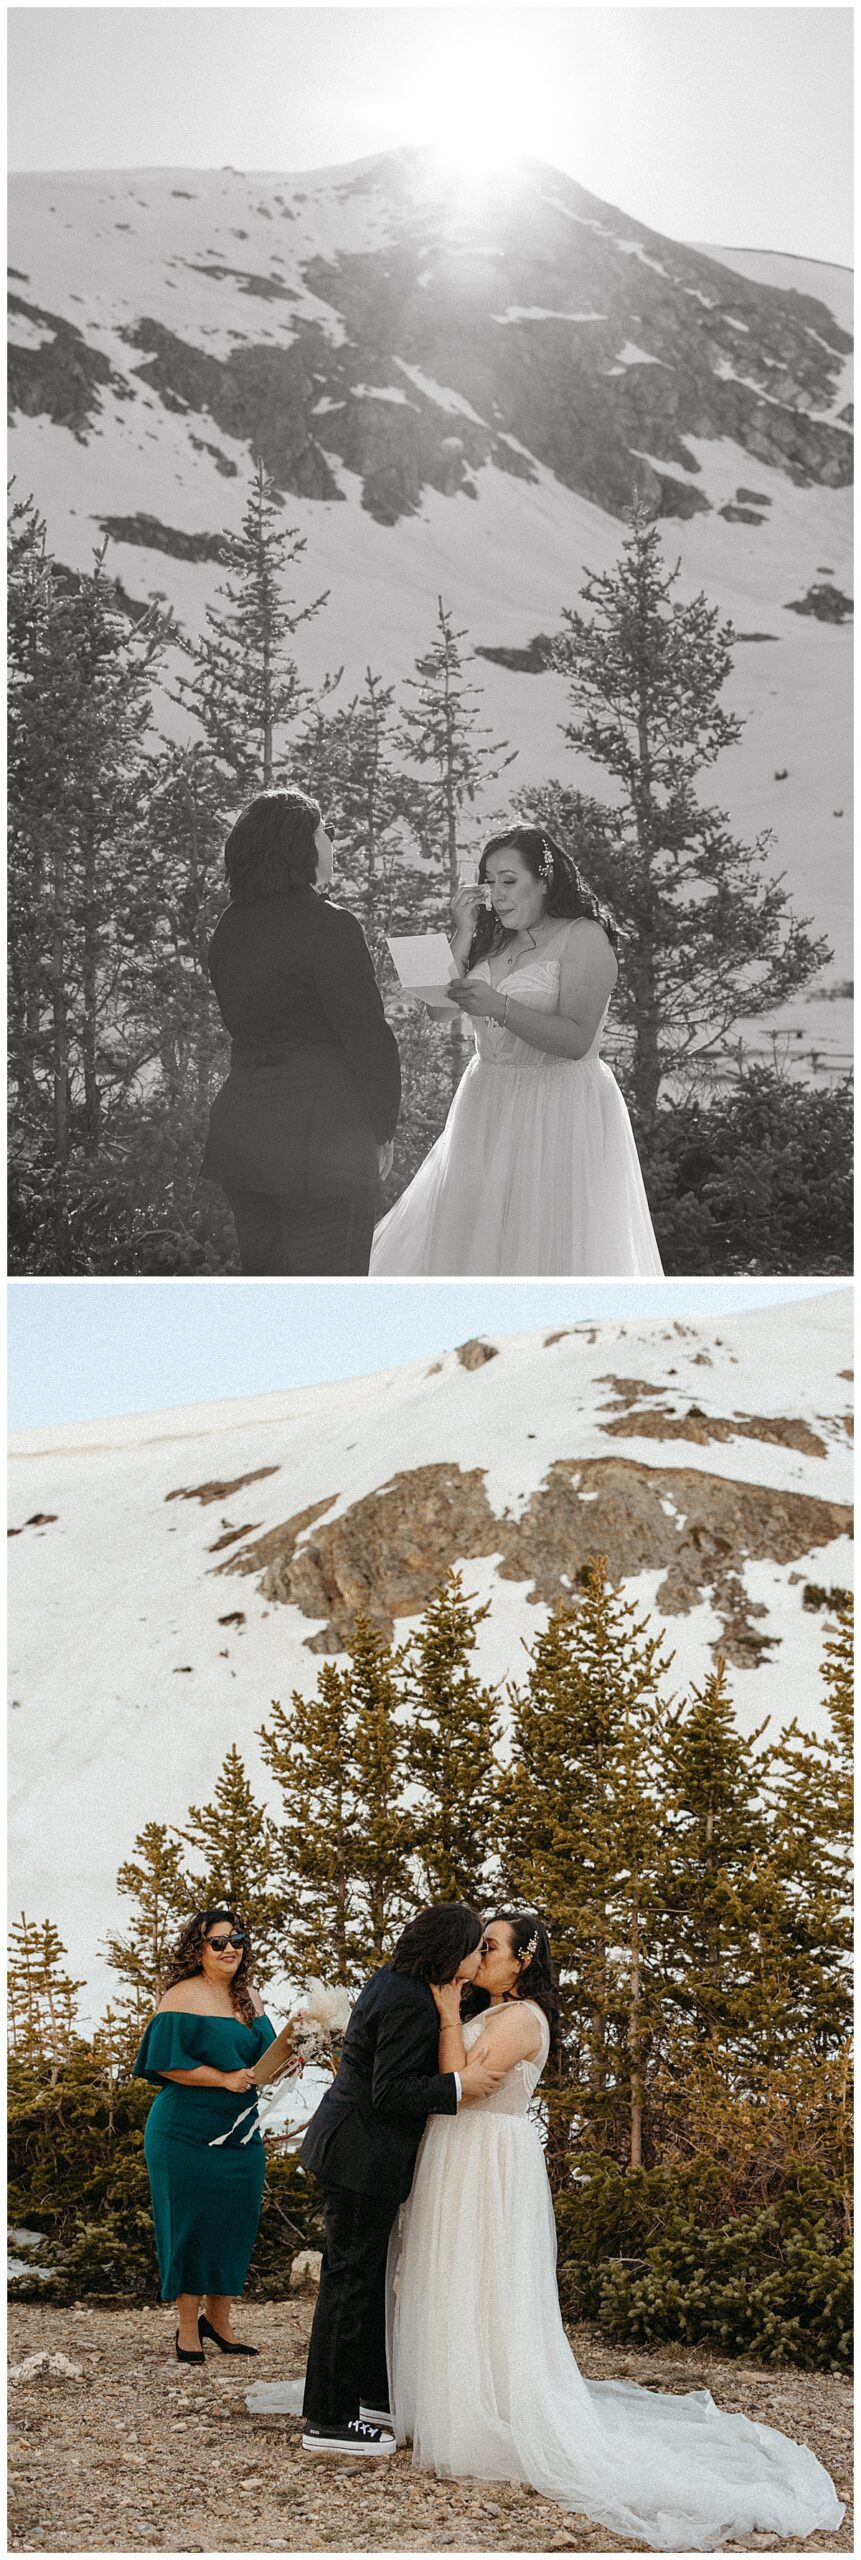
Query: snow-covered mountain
171,1574
456,390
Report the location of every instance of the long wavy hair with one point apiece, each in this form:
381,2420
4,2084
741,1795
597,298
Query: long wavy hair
568,894
535,1980
186,1959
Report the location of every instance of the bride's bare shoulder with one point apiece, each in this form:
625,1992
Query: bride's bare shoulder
515,2031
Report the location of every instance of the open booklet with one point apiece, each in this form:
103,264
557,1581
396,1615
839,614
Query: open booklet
277,2057
425,967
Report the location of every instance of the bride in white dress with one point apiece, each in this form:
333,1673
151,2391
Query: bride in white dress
484,2382
536,1169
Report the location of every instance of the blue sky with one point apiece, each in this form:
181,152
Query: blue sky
81,1350
721,125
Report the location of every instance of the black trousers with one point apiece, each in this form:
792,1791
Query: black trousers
284,1237
347,2353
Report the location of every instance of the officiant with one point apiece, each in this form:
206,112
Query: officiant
300,1132
202,2143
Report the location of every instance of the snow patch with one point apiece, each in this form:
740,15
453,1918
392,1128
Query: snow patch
537,311
438,392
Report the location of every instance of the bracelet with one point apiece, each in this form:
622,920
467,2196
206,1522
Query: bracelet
504,1014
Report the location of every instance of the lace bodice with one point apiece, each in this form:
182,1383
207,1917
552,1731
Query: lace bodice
536,983
514,2092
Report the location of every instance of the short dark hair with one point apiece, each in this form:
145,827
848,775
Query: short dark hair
271,849
433,1945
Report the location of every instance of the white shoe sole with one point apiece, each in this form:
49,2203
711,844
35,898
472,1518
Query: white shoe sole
349,2452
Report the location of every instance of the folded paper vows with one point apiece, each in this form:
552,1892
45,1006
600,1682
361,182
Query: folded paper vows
424,965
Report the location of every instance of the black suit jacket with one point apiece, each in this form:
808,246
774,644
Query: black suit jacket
367,2130
314,1085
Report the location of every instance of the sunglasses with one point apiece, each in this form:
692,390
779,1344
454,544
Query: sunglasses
236,1938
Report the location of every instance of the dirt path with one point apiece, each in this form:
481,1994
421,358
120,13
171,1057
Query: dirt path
143,2454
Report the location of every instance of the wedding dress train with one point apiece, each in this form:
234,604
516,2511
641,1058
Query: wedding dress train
536,1169
485,2383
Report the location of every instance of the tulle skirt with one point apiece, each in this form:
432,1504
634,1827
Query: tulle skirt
486,2387
536,1171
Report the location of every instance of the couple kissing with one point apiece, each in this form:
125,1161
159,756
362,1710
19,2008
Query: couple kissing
438,2322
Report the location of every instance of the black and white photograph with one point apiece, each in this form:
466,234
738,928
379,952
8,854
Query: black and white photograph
429,1279
429,641
430,1973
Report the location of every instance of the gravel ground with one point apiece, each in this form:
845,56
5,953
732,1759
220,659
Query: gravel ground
143,2454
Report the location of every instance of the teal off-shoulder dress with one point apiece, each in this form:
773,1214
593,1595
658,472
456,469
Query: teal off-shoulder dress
204,2151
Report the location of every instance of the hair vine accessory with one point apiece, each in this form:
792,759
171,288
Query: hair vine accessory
545,867
527,1953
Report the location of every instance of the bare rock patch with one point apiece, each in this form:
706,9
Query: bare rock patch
219,1490
386,1554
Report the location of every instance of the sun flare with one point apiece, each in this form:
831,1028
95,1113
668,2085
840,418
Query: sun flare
484,106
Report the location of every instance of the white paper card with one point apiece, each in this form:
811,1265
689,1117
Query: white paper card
424,965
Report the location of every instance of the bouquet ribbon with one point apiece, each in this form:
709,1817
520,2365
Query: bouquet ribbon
233,2128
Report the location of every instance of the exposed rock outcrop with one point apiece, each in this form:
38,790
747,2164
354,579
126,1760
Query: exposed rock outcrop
826,603
152,536
219,1490
541,327
61,378
661,1424
386,1554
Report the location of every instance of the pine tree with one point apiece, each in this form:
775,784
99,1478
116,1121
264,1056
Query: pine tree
309,1752
188,825
155,1881
838,1667
384,1832
80,768
450,1765
450,752
246,689
710,937
347,1835
709,1916
582,1831
114,2046
237,1843
41,1995
30,743
349,758
716,1829
810,1808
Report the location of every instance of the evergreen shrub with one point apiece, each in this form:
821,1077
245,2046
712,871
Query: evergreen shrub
756,1178
651,2256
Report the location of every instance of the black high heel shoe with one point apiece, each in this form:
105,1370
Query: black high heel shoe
188,2355
226,2346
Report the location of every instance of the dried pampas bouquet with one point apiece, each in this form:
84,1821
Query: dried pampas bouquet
320,2022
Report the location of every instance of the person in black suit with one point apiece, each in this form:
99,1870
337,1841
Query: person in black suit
362,2146
298,1132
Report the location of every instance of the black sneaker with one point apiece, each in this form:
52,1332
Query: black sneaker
355,2436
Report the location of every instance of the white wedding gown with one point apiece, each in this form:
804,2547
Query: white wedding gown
536,1169
485,2383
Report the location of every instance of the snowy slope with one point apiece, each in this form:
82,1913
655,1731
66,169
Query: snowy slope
129,1680
456,398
